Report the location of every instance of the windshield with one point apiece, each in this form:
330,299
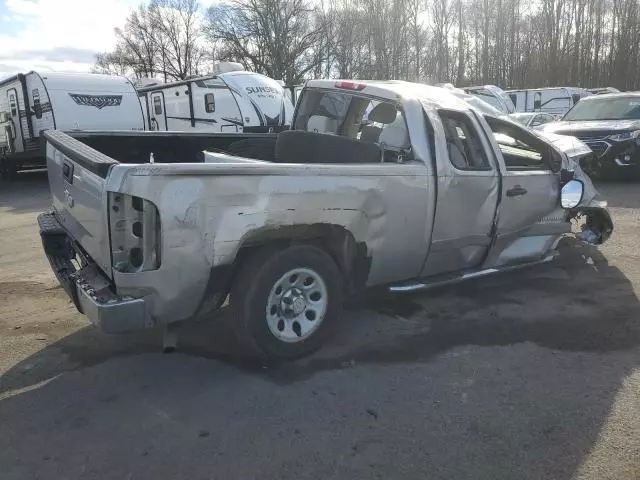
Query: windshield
620,108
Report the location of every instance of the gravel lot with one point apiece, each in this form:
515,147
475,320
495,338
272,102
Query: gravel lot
529,375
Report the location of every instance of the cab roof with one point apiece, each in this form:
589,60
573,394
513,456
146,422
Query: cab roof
398,90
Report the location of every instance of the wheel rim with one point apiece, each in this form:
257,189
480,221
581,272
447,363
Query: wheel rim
296,305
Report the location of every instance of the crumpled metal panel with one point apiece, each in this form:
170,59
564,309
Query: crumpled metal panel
208,211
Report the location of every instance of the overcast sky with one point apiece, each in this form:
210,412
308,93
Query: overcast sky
61,35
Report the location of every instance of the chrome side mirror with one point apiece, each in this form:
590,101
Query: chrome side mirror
571,194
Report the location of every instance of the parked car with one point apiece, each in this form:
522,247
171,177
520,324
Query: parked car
610,125
533,120
429,191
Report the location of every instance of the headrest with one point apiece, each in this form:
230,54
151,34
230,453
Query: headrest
383,113
322,124
395,136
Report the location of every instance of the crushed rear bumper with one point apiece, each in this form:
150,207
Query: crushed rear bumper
88,287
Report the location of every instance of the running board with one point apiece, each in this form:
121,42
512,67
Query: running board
467,276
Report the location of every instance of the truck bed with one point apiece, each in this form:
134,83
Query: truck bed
109,148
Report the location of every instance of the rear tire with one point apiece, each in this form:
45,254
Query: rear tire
287,302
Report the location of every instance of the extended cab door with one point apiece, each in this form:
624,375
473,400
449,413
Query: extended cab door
529,215
468,190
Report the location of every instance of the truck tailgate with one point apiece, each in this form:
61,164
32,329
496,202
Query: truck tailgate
76,178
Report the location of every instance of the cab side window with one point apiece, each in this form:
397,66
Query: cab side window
521,149
463,142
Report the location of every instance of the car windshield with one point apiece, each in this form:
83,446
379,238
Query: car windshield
620,108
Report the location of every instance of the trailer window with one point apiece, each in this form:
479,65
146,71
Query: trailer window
37,107
157,105
537,101
12,102
209,103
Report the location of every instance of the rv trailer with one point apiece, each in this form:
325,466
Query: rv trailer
555,100
231,100
34,102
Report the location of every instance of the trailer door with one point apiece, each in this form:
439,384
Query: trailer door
158,114
14,109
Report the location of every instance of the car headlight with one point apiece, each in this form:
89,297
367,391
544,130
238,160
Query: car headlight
620,137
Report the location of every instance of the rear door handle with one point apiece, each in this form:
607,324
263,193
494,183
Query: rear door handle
516,191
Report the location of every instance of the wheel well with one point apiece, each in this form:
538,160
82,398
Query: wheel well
352,257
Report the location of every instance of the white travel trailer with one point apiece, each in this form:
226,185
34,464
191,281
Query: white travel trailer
232,101
494,96
555,100
34,102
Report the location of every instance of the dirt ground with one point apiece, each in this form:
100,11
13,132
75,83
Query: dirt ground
529,375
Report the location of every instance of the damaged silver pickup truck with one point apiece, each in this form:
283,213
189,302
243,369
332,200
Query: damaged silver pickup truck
378,184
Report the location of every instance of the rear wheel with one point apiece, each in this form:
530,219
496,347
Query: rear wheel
286,302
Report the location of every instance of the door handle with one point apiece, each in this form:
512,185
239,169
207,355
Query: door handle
516,191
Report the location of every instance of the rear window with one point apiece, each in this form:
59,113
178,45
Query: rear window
357,117
353,116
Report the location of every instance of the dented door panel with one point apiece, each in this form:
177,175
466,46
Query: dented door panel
466,208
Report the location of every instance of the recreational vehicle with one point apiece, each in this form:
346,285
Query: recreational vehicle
494,96
34,102
556,100
229,101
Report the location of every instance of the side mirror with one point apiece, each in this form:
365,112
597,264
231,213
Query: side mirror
571,194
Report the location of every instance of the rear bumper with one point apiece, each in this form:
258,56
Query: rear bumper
90,290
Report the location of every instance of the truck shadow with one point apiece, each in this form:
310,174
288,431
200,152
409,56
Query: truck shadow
29,192
460,369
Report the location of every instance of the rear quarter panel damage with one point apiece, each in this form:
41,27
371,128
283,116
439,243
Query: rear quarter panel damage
208,212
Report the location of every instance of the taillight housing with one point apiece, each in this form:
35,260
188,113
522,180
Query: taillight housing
134,228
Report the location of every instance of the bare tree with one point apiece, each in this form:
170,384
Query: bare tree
511,43
280,38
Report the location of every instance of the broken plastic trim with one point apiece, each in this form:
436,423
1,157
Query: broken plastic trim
598,226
